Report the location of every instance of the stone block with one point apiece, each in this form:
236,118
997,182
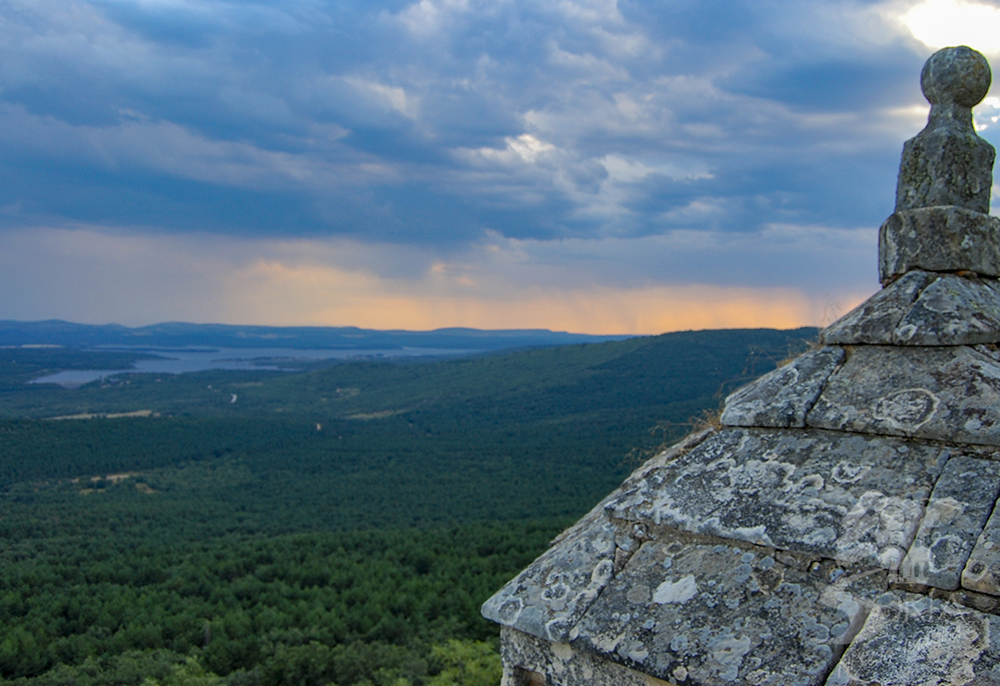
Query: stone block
699,614
874,321
531,661
911,640
960,504
782,397
548,597
945,166
953,310
848,497
945,394
977,601
921,308
939,239
982,571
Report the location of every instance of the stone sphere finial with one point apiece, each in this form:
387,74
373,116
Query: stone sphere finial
947,163
956,75
942,221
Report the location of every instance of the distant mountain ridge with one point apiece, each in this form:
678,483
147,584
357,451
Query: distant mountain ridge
180,334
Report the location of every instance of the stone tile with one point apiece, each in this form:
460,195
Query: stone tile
848,497
952,310
947,394
977,601
528,660
782,397
911,640
548,597
921,308
696,614
939,239
874,321
982,571
955,515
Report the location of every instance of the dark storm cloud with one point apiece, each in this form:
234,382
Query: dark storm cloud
435,121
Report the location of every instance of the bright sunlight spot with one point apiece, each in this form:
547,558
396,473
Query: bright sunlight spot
941,23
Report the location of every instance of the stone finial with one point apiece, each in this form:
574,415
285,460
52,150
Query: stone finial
948,163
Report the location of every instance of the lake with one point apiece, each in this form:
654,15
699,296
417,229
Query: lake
181,360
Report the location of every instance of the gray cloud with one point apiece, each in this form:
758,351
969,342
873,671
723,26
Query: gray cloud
437,123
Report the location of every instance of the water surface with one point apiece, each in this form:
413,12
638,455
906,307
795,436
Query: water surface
181,360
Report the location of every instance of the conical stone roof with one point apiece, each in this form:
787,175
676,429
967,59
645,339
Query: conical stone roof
841,525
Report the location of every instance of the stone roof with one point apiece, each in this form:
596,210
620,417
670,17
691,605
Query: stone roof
841,525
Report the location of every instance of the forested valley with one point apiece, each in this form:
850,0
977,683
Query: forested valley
335,526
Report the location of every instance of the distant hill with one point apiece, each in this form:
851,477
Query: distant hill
683,371
179,334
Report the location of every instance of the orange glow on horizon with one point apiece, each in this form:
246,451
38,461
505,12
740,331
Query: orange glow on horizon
137,280
320,296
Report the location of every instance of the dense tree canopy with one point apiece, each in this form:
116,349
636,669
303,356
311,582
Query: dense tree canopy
339,526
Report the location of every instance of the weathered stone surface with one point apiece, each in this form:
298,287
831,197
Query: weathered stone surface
989,350
945,165
958,509
939,239
714,614
752,554
911,640
946,394
948,163
957,75
548,597
874,321
977,601
953,310
842,496
982,571
782,397
531,661
921,308
659,461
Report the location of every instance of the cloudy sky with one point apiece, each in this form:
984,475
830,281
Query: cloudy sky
636,166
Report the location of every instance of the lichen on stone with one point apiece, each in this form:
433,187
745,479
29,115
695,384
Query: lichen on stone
948,163
852,490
